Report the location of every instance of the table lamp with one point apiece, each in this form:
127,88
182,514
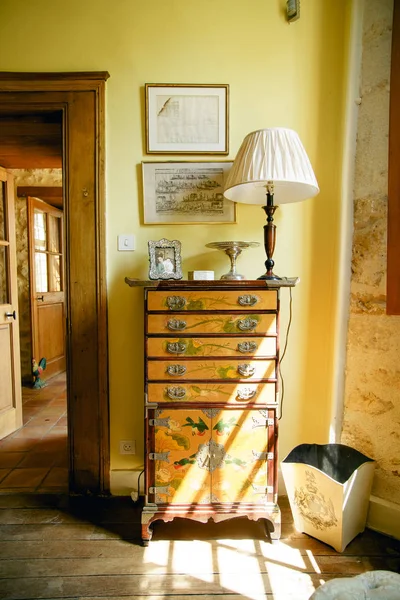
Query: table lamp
271,165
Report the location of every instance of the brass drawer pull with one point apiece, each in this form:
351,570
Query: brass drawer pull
247,324
246,370
248,300
246,394
176,302
176,392
247,347
176,325
176,347
176,369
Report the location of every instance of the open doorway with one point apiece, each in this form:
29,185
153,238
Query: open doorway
34,458
79,98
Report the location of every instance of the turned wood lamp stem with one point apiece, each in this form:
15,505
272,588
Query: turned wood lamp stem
269,233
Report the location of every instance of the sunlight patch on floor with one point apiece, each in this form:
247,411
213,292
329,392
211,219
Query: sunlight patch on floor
288,582
283,553
157,553
313,562
239,573
194,558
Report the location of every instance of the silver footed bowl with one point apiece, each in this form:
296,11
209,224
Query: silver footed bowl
232,249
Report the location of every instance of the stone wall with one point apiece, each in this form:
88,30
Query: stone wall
372,404
27,177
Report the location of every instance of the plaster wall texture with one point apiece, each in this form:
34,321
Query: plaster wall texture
27,177
372,408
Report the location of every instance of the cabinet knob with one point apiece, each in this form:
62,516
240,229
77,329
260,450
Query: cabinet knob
244,347
248,300
176,302
247,324
176,392
176,347
176,325
176,369
245,394
246,370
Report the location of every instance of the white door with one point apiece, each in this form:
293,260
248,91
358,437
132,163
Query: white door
10,379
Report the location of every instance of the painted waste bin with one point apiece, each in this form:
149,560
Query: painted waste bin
329,487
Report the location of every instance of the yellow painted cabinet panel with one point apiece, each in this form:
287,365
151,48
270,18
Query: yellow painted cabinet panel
208,456
212,300
243,476
179,477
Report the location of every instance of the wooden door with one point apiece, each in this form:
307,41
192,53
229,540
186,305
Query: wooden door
46,265
10,379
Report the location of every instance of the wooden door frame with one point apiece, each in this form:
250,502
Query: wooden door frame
81,98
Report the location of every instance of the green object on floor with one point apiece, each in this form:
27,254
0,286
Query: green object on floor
37,370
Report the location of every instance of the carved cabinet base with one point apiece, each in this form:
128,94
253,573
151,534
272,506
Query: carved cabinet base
203,514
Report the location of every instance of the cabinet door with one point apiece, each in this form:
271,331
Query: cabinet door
243,474
178,456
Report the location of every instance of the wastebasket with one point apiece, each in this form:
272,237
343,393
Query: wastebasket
328,486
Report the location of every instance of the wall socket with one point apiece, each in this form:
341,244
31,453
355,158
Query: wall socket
127,447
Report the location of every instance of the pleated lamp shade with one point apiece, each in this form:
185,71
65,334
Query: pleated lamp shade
271,155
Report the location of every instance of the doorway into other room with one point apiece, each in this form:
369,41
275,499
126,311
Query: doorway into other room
52,126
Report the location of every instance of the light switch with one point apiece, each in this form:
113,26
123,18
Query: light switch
126,241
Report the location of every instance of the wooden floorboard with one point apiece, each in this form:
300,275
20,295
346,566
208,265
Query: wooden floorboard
55,547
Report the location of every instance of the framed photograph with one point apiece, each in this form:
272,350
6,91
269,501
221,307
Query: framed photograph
186,192
186,119
165,259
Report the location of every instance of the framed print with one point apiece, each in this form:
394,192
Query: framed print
186,192
187,119
165,259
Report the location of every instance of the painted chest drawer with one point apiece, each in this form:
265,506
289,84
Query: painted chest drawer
212,346
265,323
212,300
210,370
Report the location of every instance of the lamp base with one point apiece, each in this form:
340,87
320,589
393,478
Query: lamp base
272,277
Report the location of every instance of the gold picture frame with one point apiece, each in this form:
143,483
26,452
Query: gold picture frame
186,192
187,119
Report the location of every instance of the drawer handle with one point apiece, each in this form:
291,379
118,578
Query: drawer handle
247,324
246,370
248,300
176,392
176,302
246,394
176,347
176,369
244,347
176,325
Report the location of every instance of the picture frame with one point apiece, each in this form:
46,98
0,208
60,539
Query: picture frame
165,259
187,119
186,192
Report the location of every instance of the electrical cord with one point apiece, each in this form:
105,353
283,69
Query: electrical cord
283,356
136,495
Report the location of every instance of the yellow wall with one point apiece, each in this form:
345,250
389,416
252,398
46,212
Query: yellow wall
279,75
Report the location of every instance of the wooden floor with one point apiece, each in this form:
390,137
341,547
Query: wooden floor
58,547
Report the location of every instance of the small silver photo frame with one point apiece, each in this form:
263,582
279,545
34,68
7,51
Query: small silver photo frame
165,259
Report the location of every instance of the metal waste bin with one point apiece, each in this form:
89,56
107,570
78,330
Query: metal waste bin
329,487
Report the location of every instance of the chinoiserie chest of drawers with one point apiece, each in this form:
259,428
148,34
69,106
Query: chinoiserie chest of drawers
211,368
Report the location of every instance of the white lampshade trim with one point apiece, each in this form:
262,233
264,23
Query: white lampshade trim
271,155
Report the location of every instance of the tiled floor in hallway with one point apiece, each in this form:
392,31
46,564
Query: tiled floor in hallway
34,458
